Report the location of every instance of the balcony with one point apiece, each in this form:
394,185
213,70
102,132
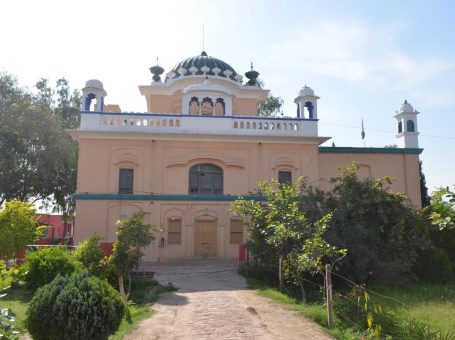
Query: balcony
186,124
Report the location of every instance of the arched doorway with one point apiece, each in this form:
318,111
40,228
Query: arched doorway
205,237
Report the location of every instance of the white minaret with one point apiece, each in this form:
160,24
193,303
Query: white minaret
93,90
307,104
407,136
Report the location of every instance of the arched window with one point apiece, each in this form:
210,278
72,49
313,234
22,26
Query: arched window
207,106
400,127
194,106
285,177
310,109
88,101
206,179
410,126
125,181
219,107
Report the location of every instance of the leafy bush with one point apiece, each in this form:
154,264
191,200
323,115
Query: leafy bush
79,306
43,265
434,266
90,254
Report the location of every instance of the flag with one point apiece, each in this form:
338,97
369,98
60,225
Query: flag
363,131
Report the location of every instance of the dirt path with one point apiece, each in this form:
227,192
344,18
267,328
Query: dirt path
212,302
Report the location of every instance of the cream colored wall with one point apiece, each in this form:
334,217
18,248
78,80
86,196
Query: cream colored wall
244,107
99,217
162,167
165,103
173,104
404,168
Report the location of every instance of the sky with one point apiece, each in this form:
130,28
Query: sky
363,58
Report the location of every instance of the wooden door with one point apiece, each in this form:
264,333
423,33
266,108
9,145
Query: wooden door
205,240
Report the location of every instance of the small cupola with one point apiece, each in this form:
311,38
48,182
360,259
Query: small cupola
407,133
307,103
93,90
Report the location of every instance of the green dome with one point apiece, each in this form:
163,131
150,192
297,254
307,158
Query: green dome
198,62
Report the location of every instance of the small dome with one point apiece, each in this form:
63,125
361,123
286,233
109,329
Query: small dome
306,91
94,83
203,64
406,107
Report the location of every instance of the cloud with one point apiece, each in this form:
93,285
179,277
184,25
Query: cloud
358,52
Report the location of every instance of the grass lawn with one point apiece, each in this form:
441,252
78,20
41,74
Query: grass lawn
145,291
17,299
432,305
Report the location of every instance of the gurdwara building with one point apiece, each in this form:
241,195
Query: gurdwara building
201,144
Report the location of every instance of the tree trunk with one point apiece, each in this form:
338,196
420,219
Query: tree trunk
121,288
302,290
129,284
65,219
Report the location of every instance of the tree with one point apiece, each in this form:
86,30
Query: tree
424,197
270,106
381,230
280,231
133,236
442,216
18,227
90,254
312,256
443,208
64,106
37,157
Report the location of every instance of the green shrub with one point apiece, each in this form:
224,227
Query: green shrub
44,264
434,266
79,306
90,254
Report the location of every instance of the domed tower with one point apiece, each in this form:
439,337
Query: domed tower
407,136
93,90
307,103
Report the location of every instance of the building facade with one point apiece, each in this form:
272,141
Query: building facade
199,146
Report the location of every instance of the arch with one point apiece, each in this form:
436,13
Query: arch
205,179
400,127
220,107
88,101
410,126
193,106
207,106
310,108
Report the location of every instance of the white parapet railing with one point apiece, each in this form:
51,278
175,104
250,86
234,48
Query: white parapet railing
176,123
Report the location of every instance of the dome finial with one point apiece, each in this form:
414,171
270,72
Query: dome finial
204,54
252,76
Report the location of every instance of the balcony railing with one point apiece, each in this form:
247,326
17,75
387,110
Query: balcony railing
177,123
